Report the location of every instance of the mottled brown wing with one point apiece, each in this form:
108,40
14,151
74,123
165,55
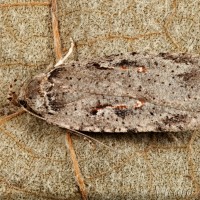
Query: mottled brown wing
119,93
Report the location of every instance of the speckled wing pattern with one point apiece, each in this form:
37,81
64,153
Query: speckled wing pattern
137,92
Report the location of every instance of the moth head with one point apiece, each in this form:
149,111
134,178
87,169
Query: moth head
32,95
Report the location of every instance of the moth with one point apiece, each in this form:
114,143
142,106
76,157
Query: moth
137,92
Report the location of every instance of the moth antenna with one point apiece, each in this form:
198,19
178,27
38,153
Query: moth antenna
61,61
74,131
91,138
32,113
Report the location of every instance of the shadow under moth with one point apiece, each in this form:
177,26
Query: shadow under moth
136,92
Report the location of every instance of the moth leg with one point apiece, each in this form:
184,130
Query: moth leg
90,139
61,61
10,116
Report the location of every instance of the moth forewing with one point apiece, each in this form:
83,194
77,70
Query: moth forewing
137,92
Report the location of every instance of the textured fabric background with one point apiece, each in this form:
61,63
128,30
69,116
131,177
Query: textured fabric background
34,160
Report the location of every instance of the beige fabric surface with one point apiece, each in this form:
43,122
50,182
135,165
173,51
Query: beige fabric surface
34,160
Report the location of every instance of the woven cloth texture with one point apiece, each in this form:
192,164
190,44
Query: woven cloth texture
35,162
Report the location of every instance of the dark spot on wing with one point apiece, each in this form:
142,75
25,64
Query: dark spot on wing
164,55
99,106
179,58
159,128
56,101
175,119
133,53
50,95
93,111
49,89
125,62
123,112
187,76
50,113
97,66
56,105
